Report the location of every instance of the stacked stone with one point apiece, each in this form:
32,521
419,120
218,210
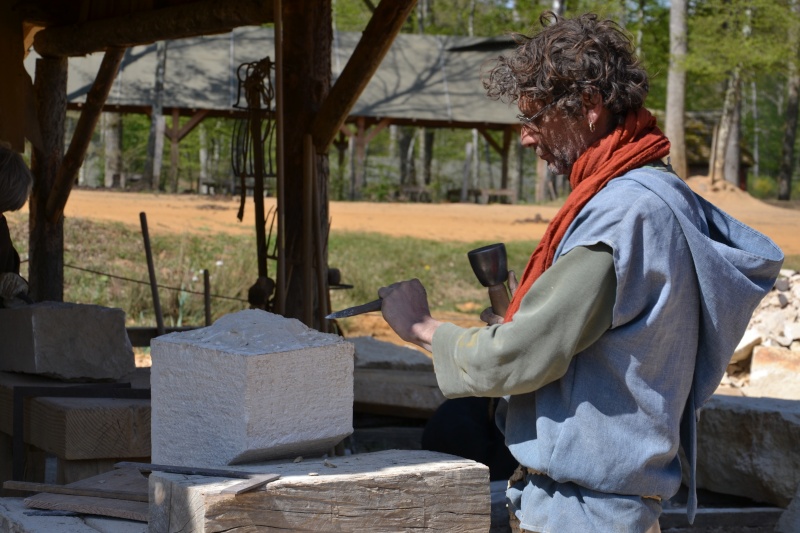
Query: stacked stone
767,359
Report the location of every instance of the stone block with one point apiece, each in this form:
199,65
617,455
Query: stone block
388,491
790,519
744,349
66,341
748,447
252,386
774,372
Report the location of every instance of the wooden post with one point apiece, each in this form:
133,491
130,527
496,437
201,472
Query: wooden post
46,239
308,230
307,37
280,275
207,296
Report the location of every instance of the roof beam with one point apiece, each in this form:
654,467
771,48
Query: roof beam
376,40
175,22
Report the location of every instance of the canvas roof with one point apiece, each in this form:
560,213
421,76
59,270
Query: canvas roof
424,79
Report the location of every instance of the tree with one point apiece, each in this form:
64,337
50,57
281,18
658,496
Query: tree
155,142
792,105
676,88
733,42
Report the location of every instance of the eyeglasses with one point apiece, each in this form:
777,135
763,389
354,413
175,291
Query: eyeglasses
530,122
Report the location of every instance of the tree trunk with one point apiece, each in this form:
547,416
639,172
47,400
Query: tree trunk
756,130
202,155
733,151
789,135
155,142
307,38
732,96
46,240
112,139
426,154
406,135
676,89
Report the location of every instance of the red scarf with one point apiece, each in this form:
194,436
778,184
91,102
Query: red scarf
636,142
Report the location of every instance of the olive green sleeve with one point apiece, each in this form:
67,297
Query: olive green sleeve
568,308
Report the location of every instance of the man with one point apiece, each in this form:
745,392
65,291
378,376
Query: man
15,186
628,311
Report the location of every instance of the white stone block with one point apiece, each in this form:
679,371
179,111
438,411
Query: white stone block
252,386
66,341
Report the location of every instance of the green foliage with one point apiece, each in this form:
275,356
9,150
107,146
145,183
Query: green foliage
751,34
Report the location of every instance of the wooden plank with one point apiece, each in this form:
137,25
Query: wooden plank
258,480
376,40
29,486
84,129
385,491
78,428
88,505
203,17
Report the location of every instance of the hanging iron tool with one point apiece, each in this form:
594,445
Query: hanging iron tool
252,149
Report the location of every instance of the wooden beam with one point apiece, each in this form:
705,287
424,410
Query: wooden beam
376,40
491,141
393,490
377,129
187,128
174,22
13,89
73,159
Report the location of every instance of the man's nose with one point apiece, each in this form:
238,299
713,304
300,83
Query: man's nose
527,138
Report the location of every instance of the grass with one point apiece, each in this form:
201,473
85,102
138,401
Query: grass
112,269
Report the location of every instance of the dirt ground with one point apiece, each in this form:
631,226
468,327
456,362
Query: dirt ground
453,222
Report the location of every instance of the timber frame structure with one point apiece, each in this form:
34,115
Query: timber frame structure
58,29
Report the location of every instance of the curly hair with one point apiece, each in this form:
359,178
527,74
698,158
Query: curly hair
566,58
15,180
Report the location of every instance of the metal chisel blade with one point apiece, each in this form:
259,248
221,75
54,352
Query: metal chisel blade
374,305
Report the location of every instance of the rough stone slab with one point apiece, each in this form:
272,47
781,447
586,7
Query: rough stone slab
390,491
748,447
775,373
252,386
790,520
13,519
372,353
394,380
66,340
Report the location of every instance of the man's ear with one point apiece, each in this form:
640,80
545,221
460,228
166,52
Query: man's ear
592,103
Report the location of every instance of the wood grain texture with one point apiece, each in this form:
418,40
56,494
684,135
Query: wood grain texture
389,491
78,428
88,505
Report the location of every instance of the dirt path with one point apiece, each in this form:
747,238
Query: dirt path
453,222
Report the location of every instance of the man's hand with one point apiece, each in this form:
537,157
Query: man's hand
405,308
13,290
488,315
